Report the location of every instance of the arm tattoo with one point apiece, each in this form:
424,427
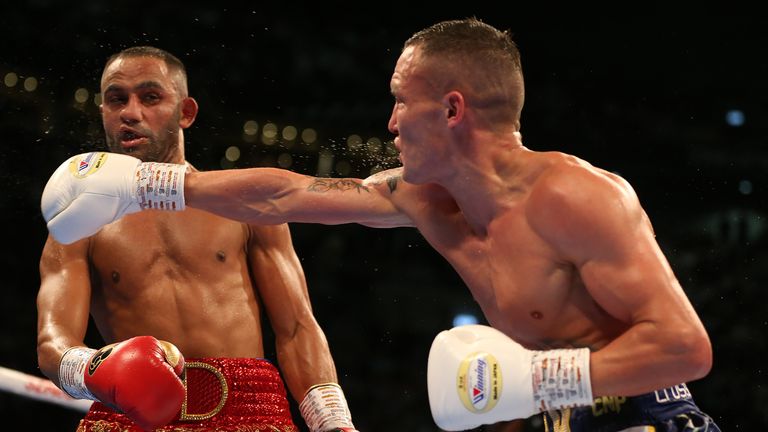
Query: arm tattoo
342,185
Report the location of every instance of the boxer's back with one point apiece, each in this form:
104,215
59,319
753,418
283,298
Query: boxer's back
182,277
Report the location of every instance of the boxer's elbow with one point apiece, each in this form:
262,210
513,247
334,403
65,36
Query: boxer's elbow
695,354
48,359
701,358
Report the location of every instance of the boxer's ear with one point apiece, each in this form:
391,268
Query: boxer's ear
454,107
189,110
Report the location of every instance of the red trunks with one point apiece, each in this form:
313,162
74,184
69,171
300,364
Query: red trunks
223,394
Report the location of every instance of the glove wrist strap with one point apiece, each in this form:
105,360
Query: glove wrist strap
160,186
72,369
561,379
324,408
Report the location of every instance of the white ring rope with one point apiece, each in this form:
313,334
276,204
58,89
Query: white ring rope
38,388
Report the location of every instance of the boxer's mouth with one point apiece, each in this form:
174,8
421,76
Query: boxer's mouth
130,138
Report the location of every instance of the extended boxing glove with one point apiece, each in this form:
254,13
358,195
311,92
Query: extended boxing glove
324,408
90,190
476,375
139,377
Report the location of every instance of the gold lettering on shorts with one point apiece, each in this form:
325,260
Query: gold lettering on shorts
607,404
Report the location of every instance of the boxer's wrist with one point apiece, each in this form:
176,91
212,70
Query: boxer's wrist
324,409
72,367
561,379
160,186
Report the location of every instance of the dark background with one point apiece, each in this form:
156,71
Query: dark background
645,96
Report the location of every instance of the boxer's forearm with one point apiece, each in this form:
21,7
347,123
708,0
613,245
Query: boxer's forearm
256,195
49,352
54,339
649,357
305,360
272,196
310,375
59,328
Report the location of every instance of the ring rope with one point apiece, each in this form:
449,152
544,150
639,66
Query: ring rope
38,388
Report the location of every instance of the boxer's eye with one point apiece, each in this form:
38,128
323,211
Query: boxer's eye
115,100
151,98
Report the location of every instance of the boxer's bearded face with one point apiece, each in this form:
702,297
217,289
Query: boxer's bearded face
144,143
141,109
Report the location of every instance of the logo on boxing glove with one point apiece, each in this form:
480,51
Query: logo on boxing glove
85,166
479,382
98,358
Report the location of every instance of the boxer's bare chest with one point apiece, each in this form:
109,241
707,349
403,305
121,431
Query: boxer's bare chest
156,247
180,276
523,286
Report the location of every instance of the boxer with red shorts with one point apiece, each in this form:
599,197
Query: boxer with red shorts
221,394
163,287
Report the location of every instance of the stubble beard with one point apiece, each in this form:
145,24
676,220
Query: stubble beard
159,147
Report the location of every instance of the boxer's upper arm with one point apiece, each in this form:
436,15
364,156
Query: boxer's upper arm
63,301
595,222
278,276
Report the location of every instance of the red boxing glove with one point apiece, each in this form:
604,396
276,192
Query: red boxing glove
139,377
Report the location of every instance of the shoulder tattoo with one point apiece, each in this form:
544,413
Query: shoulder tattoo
342,185
392,182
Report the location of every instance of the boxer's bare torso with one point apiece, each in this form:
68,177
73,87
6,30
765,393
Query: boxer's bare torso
525,287
183,277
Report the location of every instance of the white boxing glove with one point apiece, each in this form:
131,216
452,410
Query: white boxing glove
476,375
91,190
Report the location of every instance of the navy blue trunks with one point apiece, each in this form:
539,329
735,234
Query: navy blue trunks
667,410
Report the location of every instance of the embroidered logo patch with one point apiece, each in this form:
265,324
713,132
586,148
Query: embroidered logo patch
87,164
479,382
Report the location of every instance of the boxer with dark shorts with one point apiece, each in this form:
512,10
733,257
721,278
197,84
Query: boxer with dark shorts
667,410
